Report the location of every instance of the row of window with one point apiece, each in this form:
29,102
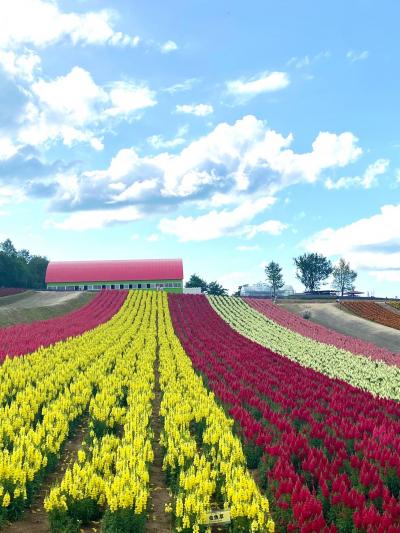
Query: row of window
117,286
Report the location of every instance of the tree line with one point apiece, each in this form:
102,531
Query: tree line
312,270
214,288
21,269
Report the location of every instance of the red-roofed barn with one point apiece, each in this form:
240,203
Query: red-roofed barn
166,274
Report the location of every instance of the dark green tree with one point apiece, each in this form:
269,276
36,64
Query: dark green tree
20,268
237,293
343,277
196,281
274,276
216,289
8,248
312,270
37,267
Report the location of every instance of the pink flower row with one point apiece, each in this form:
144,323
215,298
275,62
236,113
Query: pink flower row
26,338
320,333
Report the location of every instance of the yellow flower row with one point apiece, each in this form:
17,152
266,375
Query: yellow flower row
52,397
112,470
210,471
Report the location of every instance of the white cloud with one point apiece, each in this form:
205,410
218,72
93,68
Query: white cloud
354,56
393,276
366,181
262,83
70,107
127,98
308,60
200,110
215,224
244,248
233,165
11,195
22,65
369,243
169,46
185,85
159,142
84,220
154,237
7,148
41,23
272,227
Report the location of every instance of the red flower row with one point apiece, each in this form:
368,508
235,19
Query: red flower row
26,338
331,451
320,333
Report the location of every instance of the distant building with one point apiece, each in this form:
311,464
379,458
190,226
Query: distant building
263,290
192,290
156,274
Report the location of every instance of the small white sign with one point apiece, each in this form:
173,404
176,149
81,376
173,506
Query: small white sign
218,516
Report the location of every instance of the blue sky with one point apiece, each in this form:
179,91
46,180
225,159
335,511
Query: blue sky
226,133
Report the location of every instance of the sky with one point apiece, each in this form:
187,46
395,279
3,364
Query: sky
226,133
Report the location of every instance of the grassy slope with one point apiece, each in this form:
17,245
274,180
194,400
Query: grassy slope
27,315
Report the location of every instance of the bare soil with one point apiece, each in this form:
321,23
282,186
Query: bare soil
334,317
158,520
35,519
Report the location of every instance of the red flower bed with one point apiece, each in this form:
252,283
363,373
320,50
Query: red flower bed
26,338
320,333
330,452
375,312
9,291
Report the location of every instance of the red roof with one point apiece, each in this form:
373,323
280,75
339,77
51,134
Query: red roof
125,270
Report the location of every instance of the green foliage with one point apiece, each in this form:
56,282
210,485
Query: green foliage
216,289
343,277
312,270
20,268
211,288
123,520
196,281
274,276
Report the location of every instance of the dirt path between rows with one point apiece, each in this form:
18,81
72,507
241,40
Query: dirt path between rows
35,518
332,317
158,520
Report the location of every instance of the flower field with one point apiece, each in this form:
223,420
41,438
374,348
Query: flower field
377,377
373,311
327,453
26,338
105,380
319,333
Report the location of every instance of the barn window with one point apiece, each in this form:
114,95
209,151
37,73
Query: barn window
139,285
148,285
121,286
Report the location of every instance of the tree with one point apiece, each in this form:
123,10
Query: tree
312,270
196,281
343,277
20,268
215,289
8,248
274,276
237,293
